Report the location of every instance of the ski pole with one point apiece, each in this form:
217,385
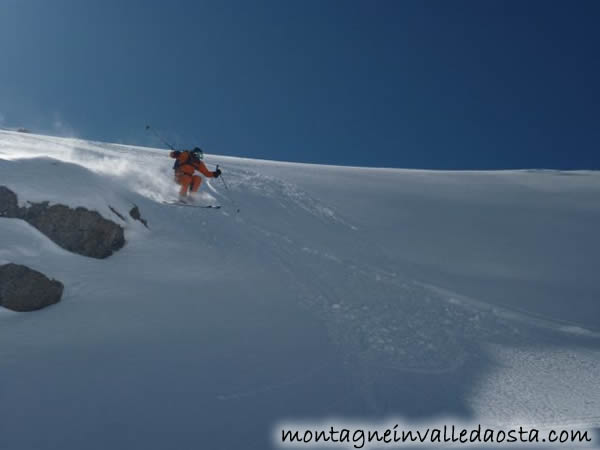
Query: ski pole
234,203
159,137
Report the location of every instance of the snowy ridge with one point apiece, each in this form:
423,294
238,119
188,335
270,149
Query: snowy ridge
336,291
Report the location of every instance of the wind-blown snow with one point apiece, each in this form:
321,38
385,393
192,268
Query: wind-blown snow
335,291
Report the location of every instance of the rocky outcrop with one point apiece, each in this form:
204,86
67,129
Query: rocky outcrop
77,230
136,215
9,206
117,213
23,289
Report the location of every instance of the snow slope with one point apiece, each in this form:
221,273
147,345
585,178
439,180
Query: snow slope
336,291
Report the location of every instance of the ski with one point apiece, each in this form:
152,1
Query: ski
191,205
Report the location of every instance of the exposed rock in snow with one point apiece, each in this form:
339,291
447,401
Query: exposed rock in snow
23,289
136,215
8,203
117,213
78,230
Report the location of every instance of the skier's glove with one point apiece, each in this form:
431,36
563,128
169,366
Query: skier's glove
217,173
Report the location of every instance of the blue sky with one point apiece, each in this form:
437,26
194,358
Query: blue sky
423,84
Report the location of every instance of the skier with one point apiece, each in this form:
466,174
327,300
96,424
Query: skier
186,163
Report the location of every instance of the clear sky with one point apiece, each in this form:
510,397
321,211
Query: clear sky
443,84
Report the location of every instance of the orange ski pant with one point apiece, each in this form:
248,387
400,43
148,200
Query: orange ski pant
188,182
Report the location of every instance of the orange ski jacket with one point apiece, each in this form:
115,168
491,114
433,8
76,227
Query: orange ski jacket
185,165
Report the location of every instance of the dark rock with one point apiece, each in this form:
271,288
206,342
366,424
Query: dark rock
8,203
23,289
78,230
117,213
135,214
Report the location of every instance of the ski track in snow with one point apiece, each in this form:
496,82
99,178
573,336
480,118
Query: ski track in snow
379,318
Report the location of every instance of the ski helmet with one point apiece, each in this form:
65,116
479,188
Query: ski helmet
197,153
